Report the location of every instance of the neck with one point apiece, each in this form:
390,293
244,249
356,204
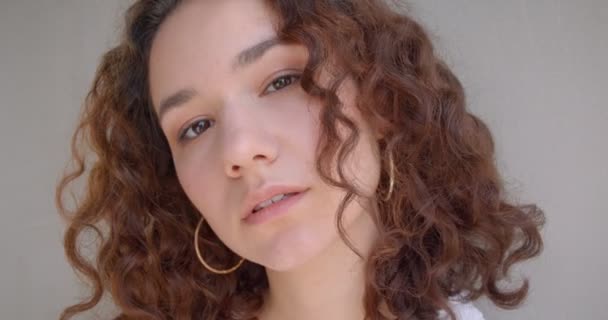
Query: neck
330,286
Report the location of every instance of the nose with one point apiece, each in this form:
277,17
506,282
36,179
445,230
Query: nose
248,144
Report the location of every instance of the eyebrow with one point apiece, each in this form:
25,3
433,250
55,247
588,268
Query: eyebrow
243,59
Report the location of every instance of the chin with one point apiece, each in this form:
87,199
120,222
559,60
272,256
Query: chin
294,248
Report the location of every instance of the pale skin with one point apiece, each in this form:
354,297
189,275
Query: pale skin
255,131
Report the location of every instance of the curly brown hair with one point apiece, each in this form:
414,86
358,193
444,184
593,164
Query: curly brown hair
447,229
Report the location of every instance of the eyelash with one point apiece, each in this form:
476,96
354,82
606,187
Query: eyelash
182,135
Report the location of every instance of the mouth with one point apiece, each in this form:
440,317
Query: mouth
273,200
277,205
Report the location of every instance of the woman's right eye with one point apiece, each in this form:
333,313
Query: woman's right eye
195,129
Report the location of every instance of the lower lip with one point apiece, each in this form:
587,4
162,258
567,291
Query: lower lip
274,210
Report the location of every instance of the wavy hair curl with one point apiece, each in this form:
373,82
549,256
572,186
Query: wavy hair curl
447,229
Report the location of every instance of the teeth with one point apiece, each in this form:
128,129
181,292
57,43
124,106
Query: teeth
270,201
277,197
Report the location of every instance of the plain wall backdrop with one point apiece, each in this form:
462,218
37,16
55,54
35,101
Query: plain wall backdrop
534,70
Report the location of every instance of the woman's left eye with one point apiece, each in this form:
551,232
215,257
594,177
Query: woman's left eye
282,82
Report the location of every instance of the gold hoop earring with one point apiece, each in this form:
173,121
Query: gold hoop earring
200,257
391,183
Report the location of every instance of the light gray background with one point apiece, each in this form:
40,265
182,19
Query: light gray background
534,70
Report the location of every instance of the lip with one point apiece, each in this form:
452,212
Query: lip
254,198
274,210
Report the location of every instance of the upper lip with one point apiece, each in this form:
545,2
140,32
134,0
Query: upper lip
257,196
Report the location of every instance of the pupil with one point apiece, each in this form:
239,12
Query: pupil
199,127
282,82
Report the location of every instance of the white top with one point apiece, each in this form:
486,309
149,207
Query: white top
463,311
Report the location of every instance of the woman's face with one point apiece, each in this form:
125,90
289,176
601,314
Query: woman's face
243,124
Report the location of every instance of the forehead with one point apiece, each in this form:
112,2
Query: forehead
202,38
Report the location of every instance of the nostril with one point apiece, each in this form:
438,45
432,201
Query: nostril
232,170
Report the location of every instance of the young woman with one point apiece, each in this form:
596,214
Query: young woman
288,160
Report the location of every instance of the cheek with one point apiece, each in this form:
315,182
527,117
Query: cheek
300,129
362,166
366,165
199,184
